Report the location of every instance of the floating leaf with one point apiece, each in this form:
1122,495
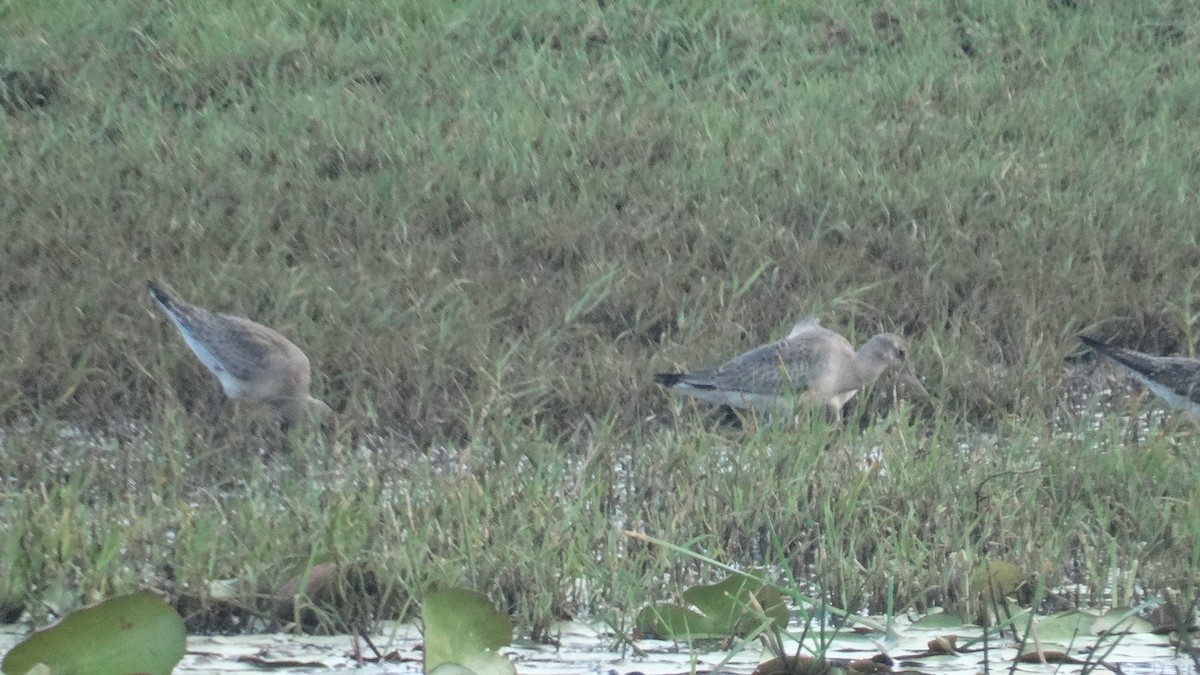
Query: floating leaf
667,620
731,599
452,669
1121,620
135,633
793,665
943,645
880,664
265,663
463,629
1065,626
1047,654
936,620
735,606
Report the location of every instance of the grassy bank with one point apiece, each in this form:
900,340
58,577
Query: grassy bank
488,225
537,522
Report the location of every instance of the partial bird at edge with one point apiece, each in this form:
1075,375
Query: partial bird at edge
1174,379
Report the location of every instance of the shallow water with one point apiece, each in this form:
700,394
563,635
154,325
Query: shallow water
586,649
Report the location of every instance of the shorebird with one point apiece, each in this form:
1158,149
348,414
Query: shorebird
1174,379
813,364
252,361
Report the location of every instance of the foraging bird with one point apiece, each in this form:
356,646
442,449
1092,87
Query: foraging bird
251,361
812,362
1174,379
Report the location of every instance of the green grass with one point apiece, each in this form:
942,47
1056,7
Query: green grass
488,225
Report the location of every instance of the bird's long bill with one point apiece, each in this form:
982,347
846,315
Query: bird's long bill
909,384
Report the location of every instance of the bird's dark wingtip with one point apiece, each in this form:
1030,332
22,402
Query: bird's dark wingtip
668,379
1098,345
157,292
1135,361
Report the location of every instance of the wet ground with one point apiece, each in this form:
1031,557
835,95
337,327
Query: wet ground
585,649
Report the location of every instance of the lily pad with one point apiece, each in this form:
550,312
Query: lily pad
1121,620
462,633
940,620
721,610
1066,627
669,620
793,665
135,633
1047,653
